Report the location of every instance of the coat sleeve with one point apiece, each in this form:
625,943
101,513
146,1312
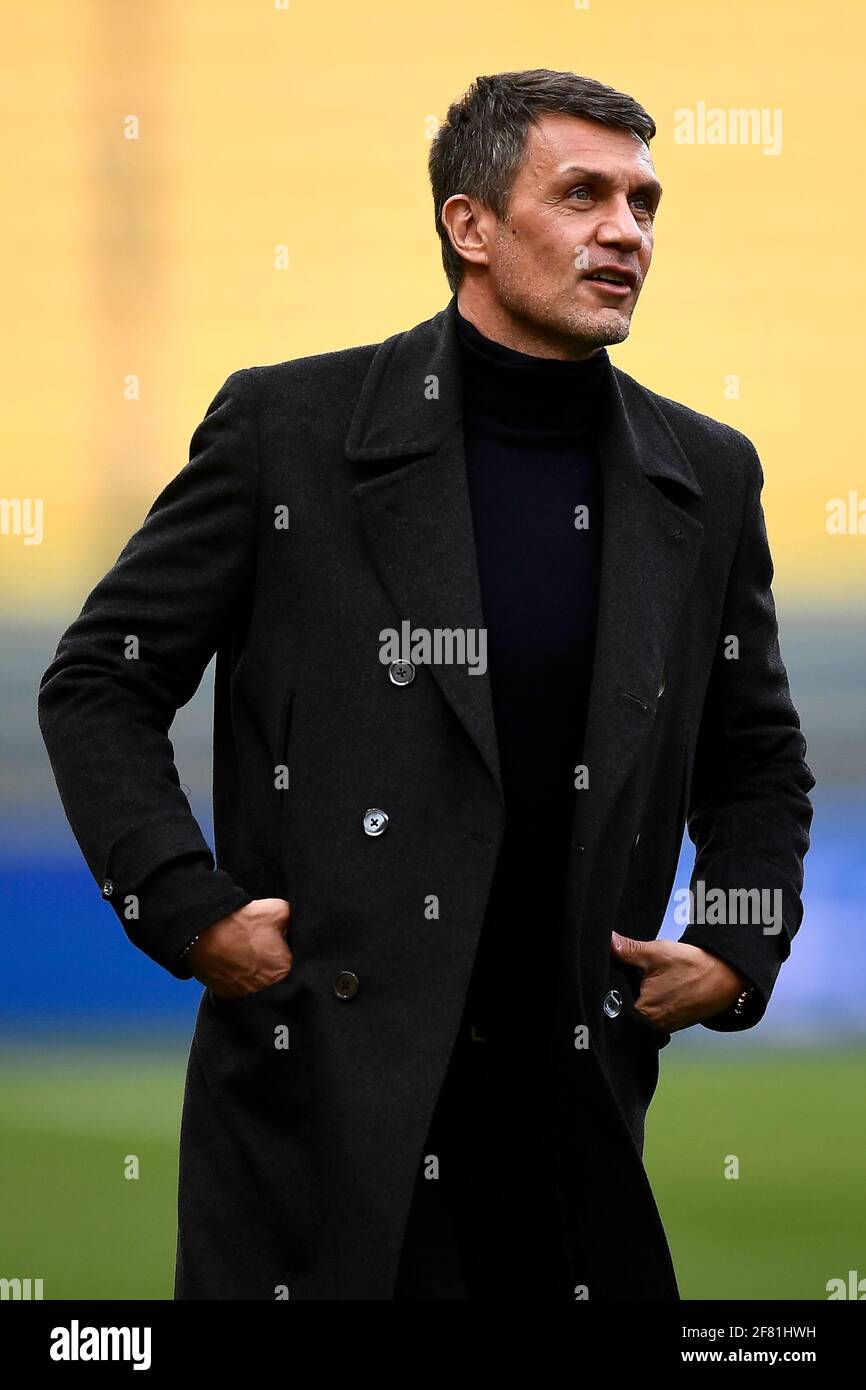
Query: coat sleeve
136,654
749,811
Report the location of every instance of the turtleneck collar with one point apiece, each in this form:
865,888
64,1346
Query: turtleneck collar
516,395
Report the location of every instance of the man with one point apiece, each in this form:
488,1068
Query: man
491,620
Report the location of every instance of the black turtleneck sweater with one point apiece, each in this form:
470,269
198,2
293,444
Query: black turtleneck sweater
530,427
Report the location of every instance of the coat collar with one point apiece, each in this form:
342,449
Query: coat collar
416,517
418,369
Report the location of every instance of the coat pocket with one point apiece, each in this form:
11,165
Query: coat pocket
256,994
631,977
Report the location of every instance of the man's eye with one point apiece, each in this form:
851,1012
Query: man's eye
582,190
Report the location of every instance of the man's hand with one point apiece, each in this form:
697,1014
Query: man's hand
245,951
681,984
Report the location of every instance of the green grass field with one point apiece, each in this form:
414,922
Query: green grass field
794,1218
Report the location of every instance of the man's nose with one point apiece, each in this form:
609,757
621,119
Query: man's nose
620,228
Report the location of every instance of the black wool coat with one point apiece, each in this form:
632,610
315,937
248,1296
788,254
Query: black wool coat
324,501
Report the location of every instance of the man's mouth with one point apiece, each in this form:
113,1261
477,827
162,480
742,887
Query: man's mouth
611,282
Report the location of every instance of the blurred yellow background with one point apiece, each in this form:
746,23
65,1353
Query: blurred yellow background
306,126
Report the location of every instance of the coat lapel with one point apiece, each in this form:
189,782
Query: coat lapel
416,516
650,551
418,526
417,521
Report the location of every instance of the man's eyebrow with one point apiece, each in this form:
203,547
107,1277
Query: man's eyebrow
649,185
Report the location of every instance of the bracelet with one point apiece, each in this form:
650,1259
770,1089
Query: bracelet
189,947
741,999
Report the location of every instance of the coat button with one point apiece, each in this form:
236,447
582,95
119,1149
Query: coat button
612,1003
375,821
401,672
346,985
107,888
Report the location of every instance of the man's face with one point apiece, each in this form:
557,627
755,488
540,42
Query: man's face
583,201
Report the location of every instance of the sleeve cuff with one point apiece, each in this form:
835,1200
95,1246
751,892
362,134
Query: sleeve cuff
175,903
757,957
754,935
